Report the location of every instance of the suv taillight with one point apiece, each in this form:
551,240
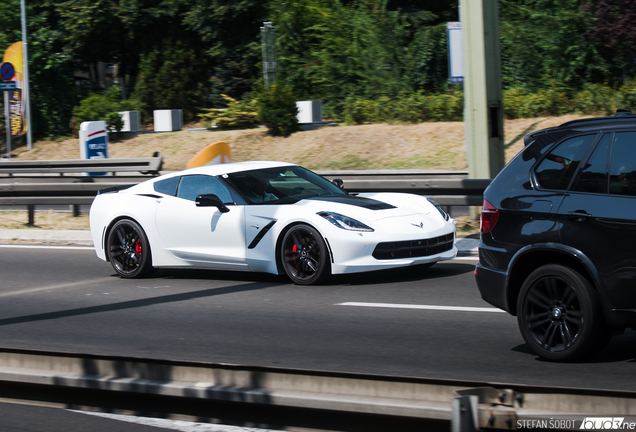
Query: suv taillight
489,217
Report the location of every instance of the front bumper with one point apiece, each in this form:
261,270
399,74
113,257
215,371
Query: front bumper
353,252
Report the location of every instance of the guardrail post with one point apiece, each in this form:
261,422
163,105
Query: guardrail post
31,211
75,210
464,414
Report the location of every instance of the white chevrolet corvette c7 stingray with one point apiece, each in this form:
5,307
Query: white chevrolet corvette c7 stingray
271,217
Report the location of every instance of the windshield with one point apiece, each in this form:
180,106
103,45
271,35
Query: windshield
281,185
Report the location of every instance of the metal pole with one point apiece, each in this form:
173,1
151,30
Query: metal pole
7,122
483,100
25,84
268,41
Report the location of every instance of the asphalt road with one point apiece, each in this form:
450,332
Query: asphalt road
68,300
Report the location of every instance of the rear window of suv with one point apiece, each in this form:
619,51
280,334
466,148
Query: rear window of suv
557,168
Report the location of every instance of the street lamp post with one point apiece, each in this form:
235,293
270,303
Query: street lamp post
268,40
25,83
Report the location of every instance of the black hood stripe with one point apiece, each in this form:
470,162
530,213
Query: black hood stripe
367,203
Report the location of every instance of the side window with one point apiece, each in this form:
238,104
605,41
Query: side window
593,177
623,164
193,185
167,186
556,170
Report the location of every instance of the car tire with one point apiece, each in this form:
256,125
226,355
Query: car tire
304,255
129,250
559,315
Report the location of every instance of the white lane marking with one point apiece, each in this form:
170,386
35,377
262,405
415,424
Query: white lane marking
48,247
178,425
426,307
55,287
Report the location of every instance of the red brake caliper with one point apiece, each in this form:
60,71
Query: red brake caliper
138,247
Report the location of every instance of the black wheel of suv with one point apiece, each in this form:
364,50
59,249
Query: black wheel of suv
129,250
559,315
304,255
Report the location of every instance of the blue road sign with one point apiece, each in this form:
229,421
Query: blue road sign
7,71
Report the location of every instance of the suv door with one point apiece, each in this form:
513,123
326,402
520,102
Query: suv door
598,215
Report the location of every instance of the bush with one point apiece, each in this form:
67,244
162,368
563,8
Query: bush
406,108
106,107
628,92
446,107
548,102
277,110
597,99
237,115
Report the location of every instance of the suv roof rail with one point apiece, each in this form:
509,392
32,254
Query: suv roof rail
621,115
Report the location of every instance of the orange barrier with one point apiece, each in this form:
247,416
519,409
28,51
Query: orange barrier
216,153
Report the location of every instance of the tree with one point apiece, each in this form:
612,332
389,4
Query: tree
51,86
277,109
329,50
230,32
543,44
613,26
116,31
173,76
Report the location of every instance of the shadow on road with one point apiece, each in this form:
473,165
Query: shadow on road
404,274
133,304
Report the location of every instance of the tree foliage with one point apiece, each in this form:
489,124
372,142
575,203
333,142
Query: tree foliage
612,24
351,54
237,115
172,76
544,43
277,109
105,107
329,50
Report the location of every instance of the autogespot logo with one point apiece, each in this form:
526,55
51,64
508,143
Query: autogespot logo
606,423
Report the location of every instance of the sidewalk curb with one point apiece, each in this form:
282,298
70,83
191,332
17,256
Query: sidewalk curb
67,237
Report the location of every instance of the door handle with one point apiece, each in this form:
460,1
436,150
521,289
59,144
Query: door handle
578,215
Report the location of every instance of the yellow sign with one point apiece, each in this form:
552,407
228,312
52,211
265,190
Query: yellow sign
216,153
17,104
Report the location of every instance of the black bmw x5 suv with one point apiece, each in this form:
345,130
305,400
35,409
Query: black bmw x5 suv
558,236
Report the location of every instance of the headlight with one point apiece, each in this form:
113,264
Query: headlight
345,222
439,208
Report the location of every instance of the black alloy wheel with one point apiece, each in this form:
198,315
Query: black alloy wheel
128,249
559,316
304,255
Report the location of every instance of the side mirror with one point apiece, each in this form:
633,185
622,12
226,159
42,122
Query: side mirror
338,182
211,200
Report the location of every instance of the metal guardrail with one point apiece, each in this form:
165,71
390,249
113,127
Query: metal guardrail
151,165
447,188
290,398
19,189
